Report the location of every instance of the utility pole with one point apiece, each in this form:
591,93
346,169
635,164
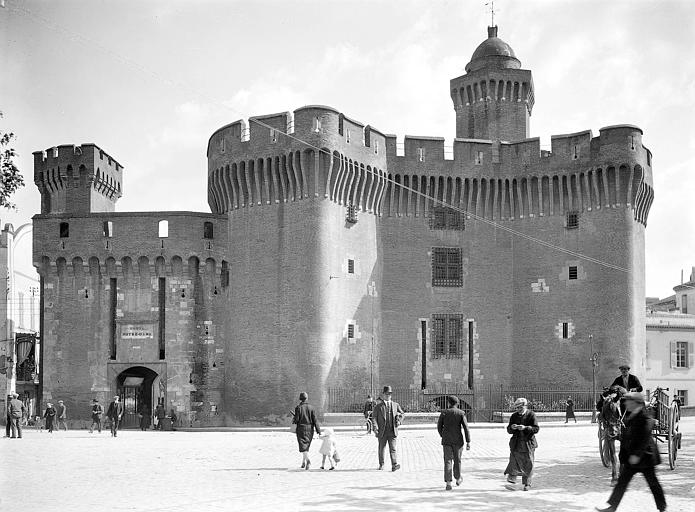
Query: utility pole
594,365
371,288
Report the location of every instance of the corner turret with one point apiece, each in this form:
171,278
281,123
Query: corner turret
494,99
77,179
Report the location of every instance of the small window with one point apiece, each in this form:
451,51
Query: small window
108,229
420,154
64,230
221,145
208,231
684,304
163,228
351,266
347,135
273,135
479,158
317,124
572,220
447,267
565,330
573,273
351,331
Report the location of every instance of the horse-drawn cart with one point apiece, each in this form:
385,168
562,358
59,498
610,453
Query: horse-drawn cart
667,418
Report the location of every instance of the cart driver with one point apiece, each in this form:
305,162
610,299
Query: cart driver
626,380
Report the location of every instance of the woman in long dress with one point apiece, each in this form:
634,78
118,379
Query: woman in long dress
305,419
523,427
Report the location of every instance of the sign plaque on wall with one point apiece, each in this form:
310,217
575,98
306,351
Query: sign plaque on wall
137,331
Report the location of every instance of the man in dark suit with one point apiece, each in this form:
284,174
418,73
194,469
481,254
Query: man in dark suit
388,416
114,413
450,423
630,382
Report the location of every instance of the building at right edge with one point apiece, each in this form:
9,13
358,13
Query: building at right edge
495,263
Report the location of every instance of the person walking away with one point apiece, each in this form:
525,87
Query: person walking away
523,427
114,413
451,421
97,411
49,415
388,415
305,419
144,417
328,447
367,411
17,412
569,410
160,412
61,416
638,453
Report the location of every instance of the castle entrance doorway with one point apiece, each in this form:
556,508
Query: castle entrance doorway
136,391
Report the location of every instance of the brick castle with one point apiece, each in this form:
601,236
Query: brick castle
335,257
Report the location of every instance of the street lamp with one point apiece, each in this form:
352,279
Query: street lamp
594,365
371,289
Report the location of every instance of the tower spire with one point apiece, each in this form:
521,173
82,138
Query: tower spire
492,12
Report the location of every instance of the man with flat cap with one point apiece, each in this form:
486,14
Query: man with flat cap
114,413
627,380
388,416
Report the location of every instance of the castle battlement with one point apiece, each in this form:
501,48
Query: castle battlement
77,178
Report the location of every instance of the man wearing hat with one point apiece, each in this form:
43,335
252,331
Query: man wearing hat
638,453
449,425
97,411
114,413
61,416
17,410
627,380
388,415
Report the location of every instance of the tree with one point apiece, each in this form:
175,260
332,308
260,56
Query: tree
10,177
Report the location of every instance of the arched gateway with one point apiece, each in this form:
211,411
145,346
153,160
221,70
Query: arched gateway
140,390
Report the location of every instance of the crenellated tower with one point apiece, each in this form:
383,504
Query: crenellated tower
77,179
494,99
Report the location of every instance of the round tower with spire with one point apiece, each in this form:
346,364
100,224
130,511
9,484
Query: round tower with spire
494,99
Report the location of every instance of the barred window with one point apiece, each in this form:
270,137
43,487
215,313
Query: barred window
447,336
572,220
573,272
446,266
351,331
442,217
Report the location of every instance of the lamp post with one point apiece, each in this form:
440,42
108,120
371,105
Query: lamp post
594,365
371,289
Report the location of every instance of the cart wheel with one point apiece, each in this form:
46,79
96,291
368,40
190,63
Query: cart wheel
603,447
674,435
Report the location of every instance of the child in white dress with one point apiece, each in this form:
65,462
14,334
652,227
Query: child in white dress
328,447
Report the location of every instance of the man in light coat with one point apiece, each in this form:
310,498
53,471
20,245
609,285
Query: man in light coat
17,410
388,416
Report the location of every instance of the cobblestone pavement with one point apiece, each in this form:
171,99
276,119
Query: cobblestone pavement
233,471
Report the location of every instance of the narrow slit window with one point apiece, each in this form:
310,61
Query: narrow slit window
273,135
64,230
351,266
565,330
222,146
108,229
479,158
317,124
421,154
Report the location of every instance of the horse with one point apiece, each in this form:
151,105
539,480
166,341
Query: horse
612,423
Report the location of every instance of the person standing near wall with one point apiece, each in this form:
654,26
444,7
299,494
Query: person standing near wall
49,415
17,412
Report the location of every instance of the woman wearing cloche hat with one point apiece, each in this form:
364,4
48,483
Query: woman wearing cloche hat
523,427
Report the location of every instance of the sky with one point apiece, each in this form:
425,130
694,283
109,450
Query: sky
150,81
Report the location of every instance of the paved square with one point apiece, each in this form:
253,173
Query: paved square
231,471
